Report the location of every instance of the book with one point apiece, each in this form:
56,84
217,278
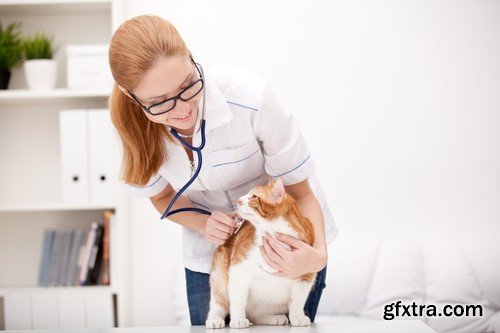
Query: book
66,236
55,259
95,258
82,277
113,251
48,241
105,249
78,241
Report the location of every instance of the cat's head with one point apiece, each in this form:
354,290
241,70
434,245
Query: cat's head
264,203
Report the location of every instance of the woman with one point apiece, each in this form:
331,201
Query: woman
159,87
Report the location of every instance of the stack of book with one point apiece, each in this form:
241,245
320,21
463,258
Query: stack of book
72,257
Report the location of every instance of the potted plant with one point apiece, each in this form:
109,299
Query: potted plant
40,68
11,51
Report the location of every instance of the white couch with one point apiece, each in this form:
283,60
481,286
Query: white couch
366,272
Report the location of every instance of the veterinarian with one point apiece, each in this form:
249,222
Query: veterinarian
249,137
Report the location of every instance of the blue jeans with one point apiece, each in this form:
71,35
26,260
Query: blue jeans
198,294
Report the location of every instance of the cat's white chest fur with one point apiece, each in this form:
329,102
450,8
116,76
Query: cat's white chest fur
279,227
266,288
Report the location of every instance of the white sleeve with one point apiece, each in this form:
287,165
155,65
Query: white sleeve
155,185
283,145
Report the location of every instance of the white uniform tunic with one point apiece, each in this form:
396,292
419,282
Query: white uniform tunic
249,137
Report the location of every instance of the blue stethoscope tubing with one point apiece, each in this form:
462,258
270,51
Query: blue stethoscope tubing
197,150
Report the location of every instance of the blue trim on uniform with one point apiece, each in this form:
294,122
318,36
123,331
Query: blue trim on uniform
298,166
243,106
213,166
156,181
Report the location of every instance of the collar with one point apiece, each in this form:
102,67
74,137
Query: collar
217,111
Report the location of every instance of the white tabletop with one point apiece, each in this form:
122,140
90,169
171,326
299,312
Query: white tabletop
362,326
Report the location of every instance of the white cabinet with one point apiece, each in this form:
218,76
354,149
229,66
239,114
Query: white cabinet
30,165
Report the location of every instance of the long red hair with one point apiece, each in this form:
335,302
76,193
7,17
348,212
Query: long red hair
135,46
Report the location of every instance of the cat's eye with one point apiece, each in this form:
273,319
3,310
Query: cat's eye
253,196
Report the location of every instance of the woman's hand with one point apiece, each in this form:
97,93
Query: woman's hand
299,260
218,228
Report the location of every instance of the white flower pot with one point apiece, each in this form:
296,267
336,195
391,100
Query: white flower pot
41,74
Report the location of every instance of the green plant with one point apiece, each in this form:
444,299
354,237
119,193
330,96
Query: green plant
39,46
11,49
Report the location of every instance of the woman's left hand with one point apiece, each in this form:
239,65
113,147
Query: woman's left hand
299,260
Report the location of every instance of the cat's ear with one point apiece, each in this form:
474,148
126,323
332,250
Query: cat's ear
278,190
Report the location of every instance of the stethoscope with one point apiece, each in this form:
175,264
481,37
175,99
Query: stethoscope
197,150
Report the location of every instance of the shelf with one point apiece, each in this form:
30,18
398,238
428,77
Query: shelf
25,95
30,97
5,290
47,207
37,7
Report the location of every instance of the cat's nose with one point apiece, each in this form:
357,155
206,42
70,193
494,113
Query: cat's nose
239,202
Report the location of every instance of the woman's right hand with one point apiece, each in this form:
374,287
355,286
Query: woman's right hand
219,227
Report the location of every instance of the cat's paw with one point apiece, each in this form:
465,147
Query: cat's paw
276,320
215,322
239,323
300,320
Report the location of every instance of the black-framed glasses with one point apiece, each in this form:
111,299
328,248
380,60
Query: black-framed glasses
185,95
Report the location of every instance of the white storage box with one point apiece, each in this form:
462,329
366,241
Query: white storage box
87,67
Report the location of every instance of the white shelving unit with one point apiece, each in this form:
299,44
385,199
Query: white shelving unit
30,194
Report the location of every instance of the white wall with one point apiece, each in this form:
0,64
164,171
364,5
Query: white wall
399,102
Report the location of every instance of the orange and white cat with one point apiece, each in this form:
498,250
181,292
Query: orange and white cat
241,282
